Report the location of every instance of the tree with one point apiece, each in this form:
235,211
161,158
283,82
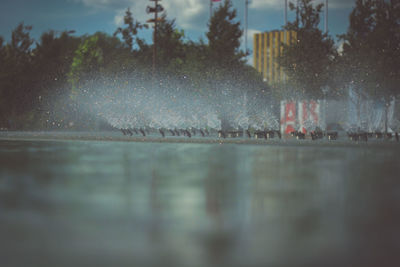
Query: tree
16,76
129,33
224,36
86,62
225,72
371,50
308,61
100,62
372,47
53,55
100,55
170,46
52,58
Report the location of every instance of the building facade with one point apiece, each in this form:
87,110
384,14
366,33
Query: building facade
267,47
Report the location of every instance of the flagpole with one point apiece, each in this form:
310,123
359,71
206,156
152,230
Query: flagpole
210,9
285,13
326,16
245,22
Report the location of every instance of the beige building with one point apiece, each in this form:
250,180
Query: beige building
267,47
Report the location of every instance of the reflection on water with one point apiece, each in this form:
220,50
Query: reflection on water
81,203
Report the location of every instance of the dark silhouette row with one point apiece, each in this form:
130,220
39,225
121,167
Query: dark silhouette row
265,134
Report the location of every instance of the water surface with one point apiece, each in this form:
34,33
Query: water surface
90,203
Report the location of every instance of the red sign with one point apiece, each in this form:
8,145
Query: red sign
290,111
289,117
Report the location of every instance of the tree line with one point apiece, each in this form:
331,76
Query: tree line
42,80
368,62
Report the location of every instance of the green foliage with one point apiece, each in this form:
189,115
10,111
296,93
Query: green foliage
98,54
20,39
307,15
224,36
371,50
170,45
129,33
309,61
225,72
87,60
42,87
16,73
52,59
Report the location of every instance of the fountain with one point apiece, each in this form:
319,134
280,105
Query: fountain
138,108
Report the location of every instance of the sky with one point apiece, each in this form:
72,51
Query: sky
89,16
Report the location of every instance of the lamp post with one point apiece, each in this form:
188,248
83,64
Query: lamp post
326,16
157,8
285,14
245,23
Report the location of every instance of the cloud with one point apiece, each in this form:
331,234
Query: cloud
337,4
193,15
280,4
267,4
340,4
250,37
113,4
189,14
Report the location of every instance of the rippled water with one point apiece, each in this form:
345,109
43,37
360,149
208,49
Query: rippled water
89,203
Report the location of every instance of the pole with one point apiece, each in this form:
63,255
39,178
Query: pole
210,10
155,41
386,118
246,25
285,13
326,16
245,113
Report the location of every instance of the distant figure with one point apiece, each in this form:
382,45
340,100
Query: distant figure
378,135
161,132
231,134
363,137
313,135
332,135
300,136
353,136
279,134
270,134
259,134
317,134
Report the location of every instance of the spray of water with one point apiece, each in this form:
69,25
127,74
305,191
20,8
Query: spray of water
130,103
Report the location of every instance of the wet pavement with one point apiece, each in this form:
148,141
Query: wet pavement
96,203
